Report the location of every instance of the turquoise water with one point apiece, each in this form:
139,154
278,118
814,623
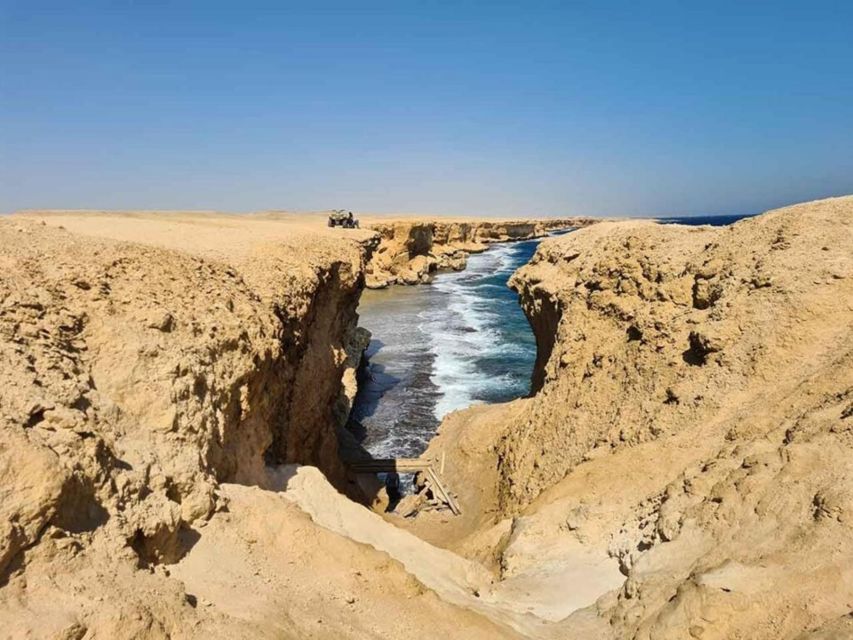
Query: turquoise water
459,341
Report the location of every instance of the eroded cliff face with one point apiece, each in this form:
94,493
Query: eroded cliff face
409,251
692,429
675,322
684,469
135,379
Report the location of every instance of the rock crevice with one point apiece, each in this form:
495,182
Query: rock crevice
135,378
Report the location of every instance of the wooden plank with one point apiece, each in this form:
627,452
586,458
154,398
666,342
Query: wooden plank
387,465
454,507
445,495
391,465
422,461
406,465
378,468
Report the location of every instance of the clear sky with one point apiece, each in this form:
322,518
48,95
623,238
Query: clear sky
666,108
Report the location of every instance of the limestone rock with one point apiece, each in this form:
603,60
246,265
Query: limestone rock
135,376
693,392
409,251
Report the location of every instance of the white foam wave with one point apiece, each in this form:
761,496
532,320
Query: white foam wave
467,326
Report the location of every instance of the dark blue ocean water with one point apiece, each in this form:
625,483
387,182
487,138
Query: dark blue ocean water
716,221
459,341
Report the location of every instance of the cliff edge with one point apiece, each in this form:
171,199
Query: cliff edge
148,362
682,469
409,251
688,451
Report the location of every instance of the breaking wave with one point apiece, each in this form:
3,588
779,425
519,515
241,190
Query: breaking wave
436,348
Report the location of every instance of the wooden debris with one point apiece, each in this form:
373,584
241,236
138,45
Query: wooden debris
410,465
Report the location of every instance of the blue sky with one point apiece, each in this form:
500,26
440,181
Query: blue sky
667,108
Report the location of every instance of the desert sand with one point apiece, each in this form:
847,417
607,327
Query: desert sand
174,388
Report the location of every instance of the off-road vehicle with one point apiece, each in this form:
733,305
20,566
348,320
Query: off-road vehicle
342,218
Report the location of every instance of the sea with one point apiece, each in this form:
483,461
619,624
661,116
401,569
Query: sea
435,348
461,340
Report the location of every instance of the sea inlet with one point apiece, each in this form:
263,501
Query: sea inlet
461,340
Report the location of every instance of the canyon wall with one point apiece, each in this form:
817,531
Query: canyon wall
410,251
141,376
136,378
691,432
159,373
684,468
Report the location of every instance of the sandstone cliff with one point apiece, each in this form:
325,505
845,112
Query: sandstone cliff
157,370
684,468
687,459
410,250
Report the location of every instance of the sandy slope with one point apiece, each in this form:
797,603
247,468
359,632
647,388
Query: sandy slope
265,569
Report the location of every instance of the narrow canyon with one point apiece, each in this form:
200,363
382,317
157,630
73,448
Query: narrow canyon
175,389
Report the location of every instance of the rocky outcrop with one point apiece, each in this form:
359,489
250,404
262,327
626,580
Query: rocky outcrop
691,429
134,379
684,468
410,251
670,319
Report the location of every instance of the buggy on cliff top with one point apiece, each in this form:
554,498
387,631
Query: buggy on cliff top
342,218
